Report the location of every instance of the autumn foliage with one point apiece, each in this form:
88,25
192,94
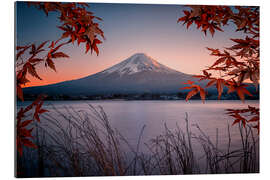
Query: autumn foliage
240,115
24,135
195,89
78,25
234,65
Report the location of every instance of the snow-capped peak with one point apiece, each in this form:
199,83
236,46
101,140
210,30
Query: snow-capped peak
137,63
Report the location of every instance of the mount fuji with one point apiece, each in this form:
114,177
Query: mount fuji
137,63
137,74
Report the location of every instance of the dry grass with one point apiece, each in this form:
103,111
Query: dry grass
85,144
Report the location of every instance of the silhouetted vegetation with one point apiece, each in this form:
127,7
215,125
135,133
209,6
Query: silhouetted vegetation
211,95
83,143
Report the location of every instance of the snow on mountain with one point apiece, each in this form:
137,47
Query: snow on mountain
138,63
137,74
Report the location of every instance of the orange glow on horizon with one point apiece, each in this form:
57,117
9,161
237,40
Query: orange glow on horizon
87,64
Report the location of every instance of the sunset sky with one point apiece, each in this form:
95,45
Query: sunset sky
129,29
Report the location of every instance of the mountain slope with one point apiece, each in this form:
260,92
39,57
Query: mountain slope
137,63
137,74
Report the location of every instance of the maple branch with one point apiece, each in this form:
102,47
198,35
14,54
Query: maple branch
244,62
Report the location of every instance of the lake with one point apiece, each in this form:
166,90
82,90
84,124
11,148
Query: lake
130,116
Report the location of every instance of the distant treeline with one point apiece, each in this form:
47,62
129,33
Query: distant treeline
144,96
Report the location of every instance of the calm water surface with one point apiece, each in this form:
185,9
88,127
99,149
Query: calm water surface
130,116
